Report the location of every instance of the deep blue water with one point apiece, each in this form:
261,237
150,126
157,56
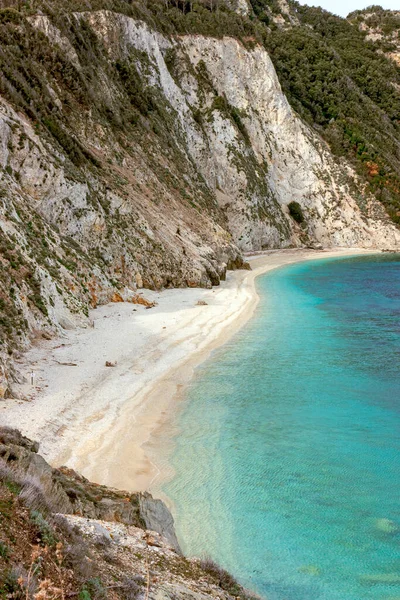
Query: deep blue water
287,457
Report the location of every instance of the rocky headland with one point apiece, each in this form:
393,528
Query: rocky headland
62,536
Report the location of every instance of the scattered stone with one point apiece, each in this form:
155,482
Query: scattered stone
3,387
116,297
139,299
46,336
152,540
66,323
12,393
111,364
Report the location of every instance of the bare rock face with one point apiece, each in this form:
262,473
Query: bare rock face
372,21
255,154
157,517
241,7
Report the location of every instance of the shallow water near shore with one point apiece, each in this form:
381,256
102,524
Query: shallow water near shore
287,455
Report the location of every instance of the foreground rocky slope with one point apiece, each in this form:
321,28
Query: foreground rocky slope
62,536
134,156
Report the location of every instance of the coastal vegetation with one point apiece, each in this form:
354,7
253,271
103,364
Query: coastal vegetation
54,544
296,212
343,84
346,88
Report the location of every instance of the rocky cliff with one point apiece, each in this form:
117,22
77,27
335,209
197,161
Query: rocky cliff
62,536
133,155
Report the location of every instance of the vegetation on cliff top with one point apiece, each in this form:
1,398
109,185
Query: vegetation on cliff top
338,82
341,83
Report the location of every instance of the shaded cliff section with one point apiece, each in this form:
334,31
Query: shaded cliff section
62,536
142,147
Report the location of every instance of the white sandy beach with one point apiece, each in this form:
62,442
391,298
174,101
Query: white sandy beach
100,420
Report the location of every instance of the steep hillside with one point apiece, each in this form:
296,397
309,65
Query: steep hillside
64,537
150,144
382,28
342,77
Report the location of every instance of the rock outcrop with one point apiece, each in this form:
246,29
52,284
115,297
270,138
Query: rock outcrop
71,493
91,542
382,28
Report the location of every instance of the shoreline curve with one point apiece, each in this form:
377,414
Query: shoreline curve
107,423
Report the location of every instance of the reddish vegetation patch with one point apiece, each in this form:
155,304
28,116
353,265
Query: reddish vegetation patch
373,169
29,567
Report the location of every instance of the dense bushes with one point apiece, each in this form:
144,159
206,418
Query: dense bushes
296,212
28,64
222,578
139,95
347,91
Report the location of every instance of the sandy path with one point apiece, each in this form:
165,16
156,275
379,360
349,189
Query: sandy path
100,420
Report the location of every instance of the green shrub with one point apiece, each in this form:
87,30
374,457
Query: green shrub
223,578
46,531
11,587
296,212
237,119
220,103
93,590
4,551
10,15
139,95
171,60
13,487
66,141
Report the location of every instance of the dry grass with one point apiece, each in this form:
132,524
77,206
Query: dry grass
8,436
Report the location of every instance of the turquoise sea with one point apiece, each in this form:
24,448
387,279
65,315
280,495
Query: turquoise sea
287,456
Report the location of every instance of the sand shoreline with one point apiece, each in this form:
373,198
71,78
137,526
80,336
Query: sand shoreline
103,421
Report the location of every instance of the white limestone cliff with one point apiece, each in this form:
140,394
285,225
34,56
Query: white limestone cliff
235,155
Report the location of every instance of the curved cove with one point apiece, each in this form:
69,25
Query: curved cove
287,454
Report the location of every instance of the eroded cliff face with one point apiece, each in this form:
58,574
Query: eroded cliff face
254,153
167,195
